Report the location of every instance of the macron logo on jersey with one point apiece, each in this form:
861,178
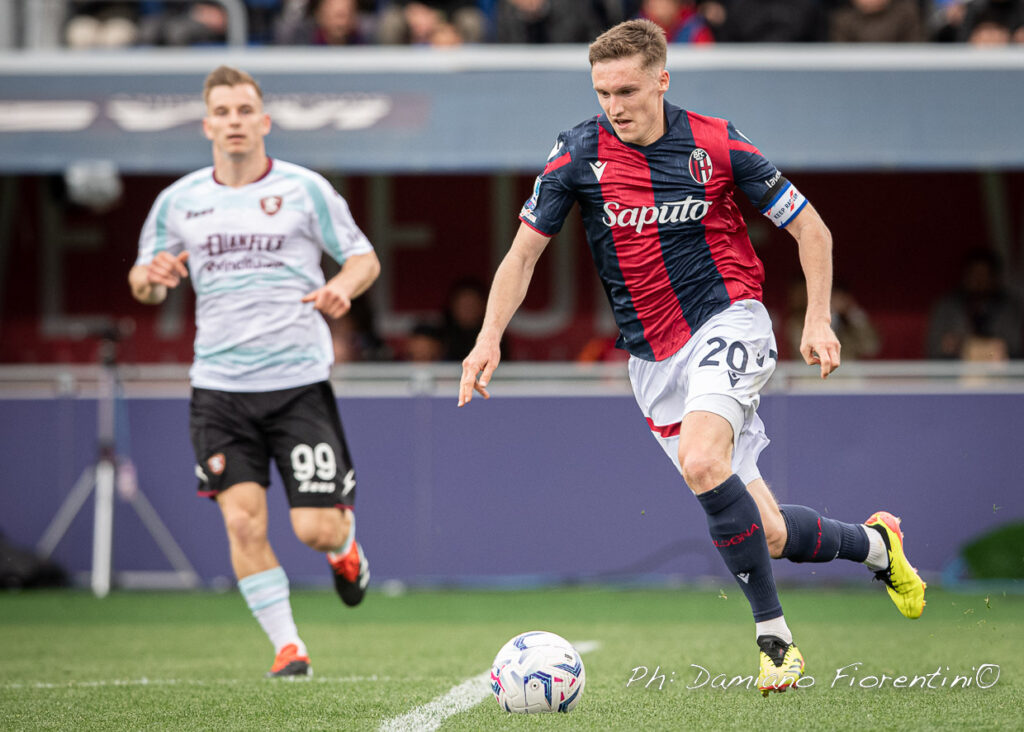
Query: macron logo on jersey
598,169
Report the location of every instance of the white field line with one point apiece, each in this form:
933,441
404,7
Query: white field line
191,682
459,698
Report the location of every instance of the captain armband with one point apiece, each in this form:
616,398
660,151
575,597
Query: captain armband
782,203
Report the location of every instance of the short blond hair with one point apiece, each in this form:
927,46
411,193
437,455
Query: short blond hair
228,76
641,36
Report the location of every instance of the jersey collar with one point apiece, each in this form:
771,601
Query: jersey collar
672,114
264,174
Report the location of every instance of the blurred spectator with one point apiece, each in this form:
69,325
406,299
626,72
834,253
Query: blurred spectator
184,24
680,20
988,28
424,344
857,335
463,315
945,20
322,23
993,22
102,25
982,316
545,21
612,12
431,22
765,21
355,335
263,16
877,21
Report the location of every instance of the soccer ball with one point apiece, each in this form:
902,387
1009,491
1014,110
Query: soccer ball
537,672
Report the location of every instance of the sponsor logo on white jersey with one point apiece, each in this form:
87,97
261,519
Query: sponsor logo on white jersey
670,212
598,169
227,243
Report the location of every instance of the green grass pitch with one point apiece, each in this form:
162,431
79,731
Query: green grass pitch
183,661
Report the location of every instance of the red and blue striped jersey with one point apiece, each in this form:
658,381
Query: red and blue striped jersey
668,239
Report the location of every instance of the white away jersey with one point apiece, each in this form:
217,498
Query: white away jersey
254,252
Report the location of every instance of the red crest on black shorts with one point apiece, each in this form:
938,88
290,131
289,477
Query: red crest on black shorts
216,463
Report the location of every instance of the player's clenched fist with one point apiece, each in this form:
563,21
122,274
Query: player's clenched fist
330,301
167,269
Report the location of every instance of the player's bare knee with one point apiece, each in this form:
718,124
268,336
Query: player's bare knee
244,529
703,471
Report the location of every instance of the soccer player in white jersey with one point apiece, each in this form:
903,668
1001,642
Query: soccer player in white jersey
656,186
250,231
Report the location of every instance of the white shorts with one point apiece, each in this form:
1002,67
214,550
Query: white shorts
721,369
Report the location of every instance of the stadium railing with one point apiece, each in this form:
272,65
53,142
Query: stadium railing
42,381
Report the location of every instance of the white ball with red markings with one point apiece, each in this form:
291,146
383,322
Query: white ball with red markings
537,671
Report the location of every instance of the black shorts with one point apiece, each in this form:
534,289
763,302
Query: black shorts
235,434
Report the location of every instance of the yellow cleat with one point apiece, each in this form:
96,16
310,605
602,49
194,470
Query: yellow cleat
782,665
902,581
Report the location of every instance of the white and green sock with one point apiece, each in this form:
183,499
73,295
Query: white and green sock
267,595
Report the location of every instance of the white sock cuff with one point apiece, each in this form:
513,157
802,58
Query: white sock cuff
775,626
265,588
878,557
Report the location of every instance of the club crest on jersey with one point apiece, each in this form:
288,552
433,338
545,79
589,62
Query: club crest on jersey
216,463
272,204
700,165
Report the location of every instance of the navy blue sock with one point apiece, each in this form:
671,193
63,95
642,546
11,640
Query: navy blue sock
814,538
735,525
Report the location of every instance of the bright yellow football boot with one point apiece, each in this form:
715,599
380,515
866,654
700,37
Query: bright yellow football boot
782,665
902,581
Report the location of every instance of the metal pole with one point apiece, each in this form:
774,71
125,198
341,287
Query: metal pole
43,20
103,528
103,524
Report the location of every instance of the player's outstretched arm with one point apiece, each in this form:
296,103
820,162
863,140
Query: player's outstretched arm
149,282
335,298
511,282
819,344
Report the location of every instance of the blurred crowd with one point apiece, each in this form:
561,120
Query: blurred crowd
981,318
121,23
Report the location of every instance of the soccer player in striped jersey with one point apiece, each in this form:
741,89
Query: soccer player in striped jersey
656,187
249,231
